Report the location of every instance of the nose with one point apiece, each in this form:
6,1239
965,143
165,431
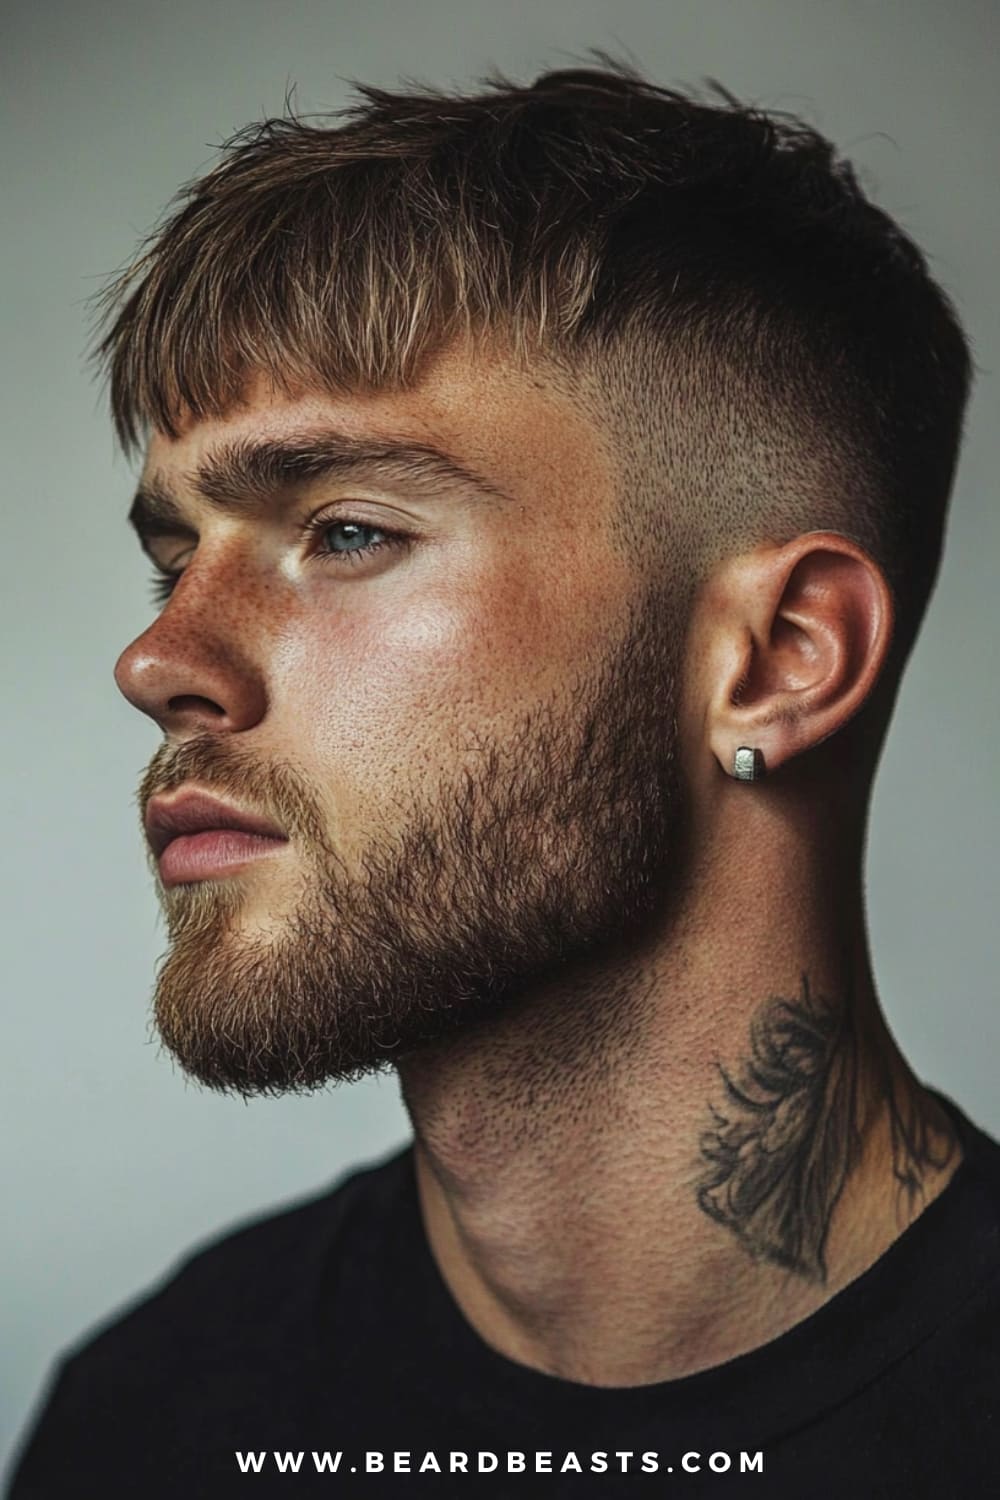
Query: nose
190,677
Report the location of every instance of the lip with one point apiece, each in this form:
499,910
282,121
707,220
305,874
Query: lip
213,854
193,812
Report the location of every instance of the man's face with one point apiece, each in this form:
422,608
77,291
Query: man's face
459,706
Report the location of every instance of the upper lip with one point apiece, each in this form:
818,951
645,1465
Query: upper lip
193,812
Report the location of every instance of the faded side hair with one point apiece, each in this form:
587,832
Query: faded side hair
764,347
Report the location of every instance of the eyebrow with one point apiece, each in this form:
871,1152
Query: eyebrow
242,477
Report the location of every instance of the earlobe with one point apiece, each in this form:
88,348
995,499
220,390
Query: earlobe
800,635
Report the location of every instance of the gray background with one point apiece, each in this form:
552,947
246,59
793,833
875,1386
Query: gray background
114,1164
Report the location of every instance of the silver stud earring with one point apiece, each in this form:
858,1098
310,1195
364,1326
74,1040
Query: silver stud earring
748,764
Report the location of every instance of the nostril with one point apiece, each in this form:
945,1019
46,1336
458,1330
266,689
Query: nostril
162,674
188,703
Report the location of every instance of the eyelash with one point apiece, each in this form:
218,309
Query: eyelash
163,583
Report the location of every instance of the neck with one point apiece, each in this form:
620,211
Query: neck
673,1158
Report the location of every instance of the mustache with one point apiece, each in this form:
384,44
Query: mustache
218,764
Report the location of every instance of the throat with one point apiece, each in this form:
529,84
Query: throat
625,1232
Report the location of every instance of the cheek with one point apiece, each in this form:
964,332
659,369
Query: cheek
397,675
409,675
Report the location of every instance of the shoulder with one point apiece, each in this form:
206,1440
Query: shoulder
961,1284
258,1266
223,1311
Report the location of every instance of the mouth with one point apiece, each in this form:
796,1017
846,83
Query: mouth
195,836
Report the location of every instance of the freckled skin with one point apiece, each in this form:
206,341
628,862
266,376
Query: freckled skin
368,676
519,873
470,741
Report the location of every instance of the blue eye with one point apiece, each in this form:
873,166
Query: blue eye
352,533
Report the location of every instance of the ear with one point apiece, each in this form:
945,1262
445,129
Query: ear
793,640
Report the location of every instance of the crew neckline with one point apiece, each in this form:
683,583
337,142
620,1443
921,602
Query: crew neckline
936,1264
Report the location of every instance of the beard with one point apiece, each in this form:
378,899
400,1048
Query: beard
550,850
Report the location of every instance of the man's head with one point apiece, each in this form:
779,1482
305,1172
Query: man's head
466,731
673,349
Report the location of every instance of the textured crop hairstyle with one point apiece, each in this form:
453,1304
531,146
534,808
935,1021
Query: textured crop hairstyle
763,350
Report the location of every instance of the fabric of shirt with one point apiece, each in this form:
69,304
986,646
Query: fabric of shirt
320,1351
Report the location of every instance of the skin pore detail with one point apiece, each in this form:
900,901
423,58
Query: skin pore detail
789,1133
518,870
923,1142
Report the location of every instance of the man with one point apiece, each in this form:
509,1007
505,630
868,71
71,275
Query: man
545,487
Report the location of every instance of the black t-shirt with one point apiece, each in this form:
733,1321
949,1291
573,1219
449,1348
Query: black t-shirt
327,1329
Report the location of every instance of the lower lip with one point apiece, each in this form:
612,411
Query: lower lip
199,856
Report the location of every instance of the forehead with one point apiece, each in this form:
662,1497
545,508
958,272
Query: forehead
518,428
